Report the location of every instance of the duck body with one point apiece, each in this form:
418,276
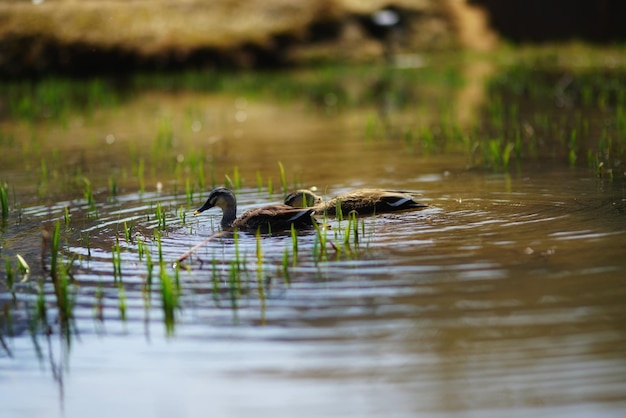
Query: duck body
361,201
266,218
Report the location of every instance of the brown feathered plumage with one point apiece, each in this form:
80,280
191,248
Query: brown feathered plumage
361,201
266,218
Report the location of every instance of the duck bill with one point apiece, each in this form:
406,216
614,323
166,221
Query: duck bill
204,207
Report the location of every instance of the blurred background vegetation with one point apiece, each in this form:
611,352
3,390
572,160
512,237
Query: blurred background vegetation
95,36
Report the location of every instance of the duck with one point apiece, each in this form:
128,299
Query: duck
361,201
267,218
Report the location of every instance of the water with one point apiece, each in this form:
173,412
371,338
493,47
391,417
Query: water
504,296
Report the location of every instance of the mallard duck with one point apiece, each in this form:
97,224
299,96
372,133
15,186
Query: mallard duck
361,201
266,218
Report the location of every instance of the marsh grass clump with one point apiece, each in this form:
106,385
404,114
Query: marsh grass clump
169,299
53,98
497,154
320,246
351,235
549,111
60,274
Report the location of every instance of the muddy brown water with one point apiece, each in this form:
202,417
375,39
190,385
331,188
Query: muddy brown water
504,297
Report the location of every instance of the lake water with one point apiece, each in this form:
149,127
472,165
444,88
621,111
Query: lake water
504,297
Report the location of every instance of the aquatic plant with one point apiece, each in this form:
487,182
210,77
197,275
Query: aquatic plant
169,299
259,272
22,265
121,295
66,216
165,136
54,248
112,182
128,232
168,290
4,200
233,283
320,250
572,148
8,273
182,215
497,154
40,317
189,192
259,181
89,197
270,186
234,182
294,244
161,218
283,178
149,268
352,229
85,241
116,258
140,168
61,281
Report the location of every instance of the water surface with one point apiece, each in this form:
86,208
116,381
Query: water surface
504,296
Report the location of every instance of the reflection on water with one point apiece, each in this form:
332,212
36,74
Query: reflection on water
504,296
486,302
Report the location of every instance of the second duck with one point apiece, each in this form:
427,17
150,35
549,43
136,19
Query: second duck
361,201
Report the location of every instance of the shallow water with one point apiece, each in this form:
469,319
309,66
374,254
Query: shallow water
504,296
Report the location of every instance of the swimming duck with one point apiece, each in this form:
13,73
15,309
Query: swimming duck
266,218
362,201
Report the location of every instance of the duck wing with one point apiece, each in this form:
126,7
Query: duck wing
399,202
275,217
